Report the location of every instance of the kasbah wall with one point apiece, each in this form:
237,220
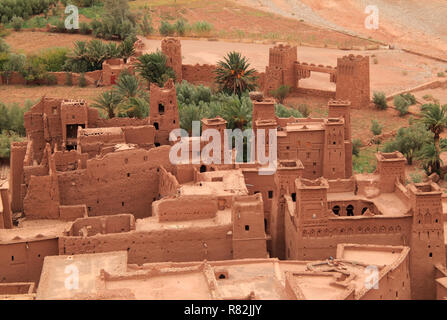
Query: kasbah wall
100,185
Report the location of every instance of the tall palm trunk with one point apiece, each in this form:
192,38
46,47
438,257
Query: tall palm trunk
438,152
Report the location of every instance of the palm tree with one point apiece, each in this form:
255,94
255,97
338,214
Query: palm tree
108,102
434,117
234,75
188,114
153,68
128,85
429,158
237,112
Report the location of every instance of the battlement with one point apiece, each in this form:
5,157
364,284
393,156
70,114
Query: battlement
320,183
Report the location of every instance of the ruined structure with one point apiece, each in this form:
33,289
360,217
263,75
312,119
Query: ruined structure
351,75
85,189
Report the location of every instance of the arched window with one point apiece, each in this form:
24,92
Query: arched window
350,210
336,210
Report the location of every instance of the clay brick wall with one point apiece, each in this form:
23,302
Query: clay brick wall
22,261
119,182
185,208
158,245
16,176
199,74
168,185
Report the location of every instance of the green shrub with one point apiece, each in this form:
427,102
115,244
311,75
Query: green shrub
82,82
284,112
281,93
441,74
54,59
181,27
117,22
166,29
410,98
202,27
356,145
304,110
379,100
146,25
84,28
415,177
6,138
17,23
401,105
34,70
376,127
23,8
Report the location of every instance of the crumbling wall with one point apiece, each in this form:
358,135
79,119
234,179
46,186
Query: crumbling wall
185,208
199,74
119,182
157,245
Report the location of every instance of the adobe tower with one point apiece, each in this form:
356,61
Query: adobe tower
353,80
172,48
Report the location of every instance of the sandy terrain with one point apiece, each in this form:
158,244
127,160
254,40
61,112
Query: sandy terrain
29,42
19,94
411,24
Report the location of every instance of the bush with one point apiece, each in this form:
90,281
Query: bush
401,105
146,25
202,27
356,145
376,127
82,82
281,93
410,98
17,23
84,28
6,138
181,27
415,177
166,29
34,70
304,110
117,22
379,100
441,74
54,59
23,8
284,112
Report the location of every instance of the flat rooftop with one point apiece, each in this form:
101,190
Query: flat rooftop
108,276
